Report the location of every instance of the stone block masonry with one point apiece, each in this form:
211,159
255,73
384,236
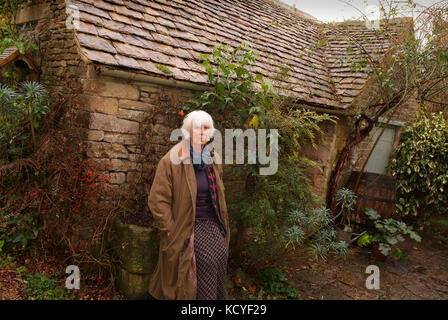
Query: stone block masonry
129,129
61,66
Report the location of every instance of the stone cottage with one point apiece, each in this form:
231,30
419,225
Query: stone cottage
136,62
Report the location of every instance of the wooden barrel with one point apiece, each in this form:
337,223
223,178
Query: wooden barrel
375,191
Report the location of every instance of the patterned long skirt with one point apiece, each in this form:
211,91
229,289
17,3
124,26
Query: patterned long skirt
211,260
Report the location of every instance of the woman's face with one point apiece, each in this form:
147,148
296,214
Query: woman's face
200,133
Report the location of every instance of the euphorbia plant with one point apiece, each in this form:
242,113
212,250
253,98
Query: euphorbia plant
20,111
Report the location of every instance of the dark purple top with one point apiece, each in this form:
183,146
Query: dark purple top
204,211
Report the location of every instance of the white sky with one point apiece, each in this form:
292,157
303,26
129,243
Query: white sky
340,10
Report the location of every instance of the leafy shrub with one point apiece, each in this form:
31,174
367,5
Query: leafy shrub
20,112
274,281
389,232
44,287
20,229
55,195
420,167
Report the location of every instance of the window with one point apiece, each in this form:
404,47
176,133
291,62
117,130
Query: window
380,156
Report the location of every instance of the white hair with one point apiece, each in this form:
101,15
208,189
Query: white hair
199,117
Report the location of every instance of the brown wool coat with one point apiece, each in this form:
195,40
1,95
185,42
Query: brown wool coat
172,201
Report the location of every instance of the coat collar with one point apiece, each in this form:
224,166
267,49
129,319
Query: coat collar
183,154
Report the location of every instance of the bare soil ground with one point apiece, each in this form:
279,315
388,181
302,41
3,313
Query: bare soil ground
423,276
11,285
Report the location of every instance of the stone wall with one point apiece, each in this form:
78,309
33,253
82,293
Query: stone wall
128,130
334,135
61,66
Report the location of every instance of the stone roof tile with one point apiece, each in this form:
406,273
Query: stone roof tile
90,18
158,57
104,5
99,56
165,22
94,42
92,9
127,61
113,25
115,1
180,74
181,53
180,63
109,34
129,12
138,31
150,67
130,50
87,28
120,18
130,39
147,25
132,5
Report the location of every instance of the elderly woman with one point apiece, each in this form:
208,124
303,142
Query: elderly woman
189,208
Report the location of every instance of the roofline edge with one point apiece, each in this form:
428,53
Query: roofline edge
127,75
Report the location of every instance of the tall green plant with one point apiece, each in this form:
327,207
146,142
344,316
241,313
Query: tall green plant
234,85
20,111
240,98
